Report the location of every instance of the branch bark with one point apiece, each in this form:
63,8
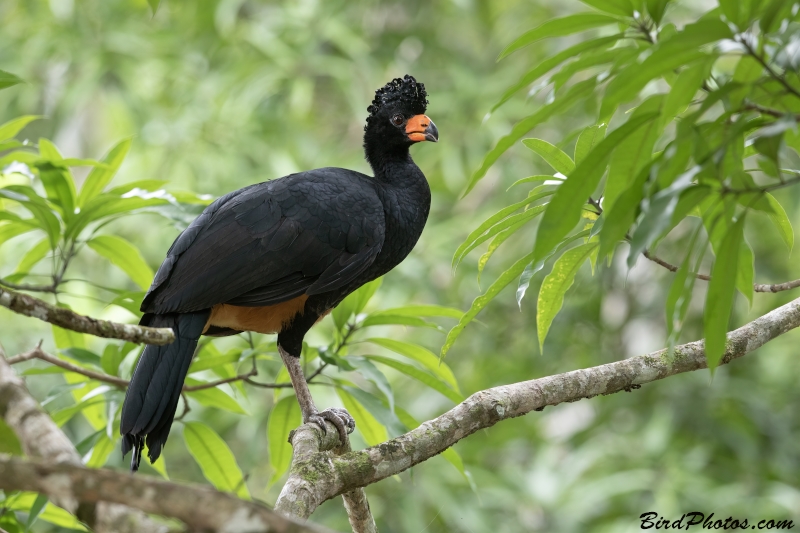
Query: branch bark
34,307
316,477
63,478
201,508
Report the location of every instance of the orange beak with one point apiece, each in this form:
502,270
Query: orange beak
421,128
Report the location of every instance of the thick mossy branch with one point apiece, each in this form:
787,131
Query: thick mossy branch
27,305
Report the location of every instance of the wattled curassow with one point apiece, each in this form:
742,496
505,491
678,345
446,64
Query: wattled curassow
277,256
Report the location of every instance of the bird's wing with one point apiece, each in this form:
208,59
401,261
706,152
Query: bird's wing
307,233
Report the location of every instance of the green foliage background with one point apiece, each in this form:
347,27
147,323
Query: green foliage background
215,95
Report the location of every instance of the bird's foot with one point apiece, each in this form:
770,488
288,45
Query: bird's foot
340,418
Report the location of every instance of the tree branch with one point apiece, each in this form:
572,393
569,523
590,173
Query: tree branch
200,508
38,353
316,477
29,306
757,287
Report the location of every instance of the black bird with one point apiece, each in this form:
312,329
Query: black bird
277,256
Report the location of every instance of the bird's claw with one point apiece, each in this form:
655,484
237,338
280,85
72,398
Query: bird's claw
340,418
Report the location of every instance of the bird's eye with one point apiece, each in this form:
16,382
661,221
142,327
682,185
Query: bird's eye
398,119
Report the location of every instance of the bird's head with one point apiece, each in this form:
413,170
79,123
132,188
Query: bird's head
397,115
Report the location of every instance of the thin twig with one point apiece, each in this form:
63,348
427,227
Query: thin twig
757,287
27,305
38,353
778,78
26,287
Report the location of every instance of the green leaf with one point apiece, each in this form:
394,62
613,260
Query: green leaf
588,138
550,63
373,431
535,179
205,363
656,9
554,156
62,416
102,449
12,127
8,80
615,7
721,289
376,407
477,235
632,153
483,300
154,5
214,397
99,176
37,206
557,28
579,91
35,511
564,210
9,443
499,239
354,303
215,459
748,70
682,92
285,417
556,283
420,375
746,271
59,185
781,220
24,501
398,320
33,256
15,229
124,255
680,294
621,216
421,355
372,373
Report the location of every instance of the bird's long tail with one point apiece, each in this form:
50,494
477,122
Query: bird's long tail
155,388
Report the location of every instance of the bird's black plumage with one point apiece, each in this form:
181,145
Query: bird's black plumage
307,240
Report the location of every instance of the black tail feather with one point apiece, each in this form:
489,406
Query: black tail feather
155,387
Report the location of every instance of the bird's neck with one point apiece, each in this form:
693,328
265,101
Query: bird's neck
393,167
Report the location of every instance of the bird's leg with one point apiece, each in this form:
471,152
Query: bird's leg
340,418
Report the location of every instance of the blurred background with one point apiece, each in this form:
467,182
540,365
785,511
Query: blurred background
219,94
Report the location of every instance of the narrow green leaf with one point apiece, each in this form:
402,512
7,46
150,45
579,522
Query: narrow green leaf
154,5
373,431
420,375
8,80
656,9
33,256
214,397
588,138
398,320
102,449
9,443
579,91
285,417
535,179
12,127
37,207
745,272
124,255
215,459
99,177
550,63
499,239
36,509
619,218
205,363
474,238
633,153
556,283
59,185
372,373
62,416
554,156
23,501
15,229
481,301
421,355
721,289
421,310
564,210
682,92
557,28
615,7
748,70
781,221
